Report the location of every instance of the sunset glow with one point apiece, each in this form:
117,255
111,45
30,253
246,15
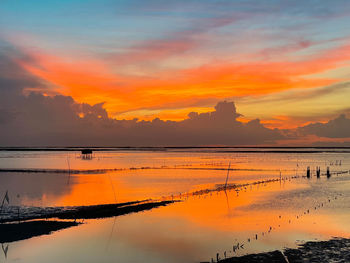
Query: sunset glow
166,63
174,131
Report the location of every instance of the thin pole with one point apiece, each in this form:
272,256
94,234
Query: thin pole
228,171
110,180
2,205
3,201
68,170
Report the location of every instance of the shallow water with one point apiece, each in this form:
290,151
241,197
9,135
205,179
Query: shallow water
280,213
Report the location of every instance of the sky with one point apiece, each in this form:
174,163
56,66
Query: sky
282,66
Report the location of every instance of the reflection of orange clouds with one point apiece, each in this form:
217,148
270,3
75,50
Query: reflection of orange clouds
88,190
228,213
128,185
214,215
222,212
97,189
93,81
131,185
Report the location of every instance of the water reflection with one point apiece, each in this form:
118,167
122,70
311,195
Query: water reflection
207,223
251,220
5,249
35,189
260,218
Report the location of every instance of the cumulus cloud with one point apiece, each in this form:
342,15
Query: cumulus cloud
336,128
34,119
60,121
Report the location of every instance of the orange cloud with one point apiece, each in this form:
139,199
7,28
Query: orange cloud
79,79
94,81
289,122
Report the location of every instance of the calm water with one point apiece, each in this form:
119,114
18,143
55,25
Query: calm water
280,213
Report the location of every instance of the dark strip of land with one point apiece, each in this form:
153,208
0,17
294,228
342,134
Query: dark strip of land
268,257
334,250
80,212
20,231
244,149
110,210
102,171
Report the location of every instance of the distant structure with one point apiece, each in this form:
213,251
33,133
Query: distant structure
86,154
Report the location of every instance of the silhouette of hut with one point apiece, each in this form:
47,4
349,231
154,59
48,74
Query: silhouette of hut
86,154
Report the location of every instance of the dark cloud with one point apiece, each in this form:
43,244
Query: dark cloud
336,128
60,121
13,79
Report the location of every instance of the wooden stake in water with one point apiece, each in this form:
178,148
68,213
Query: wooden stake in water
328,172
228,171
5,249
68,170
308,175
318,171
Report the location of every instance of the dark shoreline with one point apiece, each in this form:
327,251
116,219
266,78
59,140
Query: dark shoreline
334,250
24,230
245,149
33,222
80,212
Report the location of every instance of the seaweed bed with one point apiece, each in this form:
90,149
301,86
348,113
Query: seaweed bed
334,250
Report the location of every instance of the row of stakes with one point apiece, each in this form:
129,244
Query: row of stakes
239,187
318,172
240,246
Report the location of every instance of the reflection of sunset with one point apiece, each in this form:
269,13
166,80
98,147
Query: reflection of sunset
174,173
271,215
228,214
219,211
222,211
